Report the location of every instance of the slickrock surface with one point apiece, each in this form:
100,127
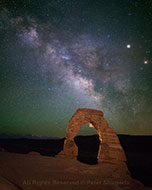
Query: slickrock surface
30,172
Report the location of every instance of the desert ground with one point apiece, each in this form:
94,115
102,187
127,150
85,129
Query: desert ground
30,170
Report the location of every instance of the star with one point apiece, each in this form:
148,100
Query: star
128,46
129,14
141,68
145,62
108,35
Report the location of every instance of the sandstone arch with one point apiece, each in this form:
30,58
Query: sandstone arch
109,149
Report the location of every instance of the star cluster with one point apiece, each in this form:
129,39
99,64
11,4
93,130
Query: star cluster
57,56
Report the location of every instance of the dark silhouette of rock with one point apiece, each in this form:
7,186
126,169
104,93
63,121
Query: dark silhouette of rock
2,149
109,150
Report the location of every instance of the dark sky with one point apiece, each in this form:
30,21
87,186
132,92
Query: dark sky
60,55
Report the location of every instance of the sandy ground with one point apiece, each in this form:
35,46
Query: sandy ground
35,172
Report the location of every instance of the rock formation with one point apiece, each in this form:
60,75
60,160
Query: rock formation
109,150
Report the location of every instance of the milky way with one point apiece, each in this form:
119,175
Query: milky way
57,56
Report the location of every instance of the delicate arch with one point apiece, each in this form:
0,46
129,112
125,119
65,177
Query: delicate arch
109,149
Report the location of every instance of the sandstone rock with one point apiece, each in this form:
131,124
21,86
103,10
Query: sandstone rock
109,149
6,184
34,153
111,156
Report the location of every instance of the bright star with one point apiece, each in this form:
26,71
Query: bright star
145,62
128,46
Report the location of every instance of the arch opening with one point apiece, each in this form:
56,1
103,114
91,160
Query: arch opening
87,141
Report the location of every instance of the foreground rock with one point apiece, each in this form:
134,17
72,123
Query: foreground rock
30,172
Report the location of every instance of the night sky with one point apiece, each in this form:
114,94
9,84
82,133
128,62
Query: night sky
60,55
